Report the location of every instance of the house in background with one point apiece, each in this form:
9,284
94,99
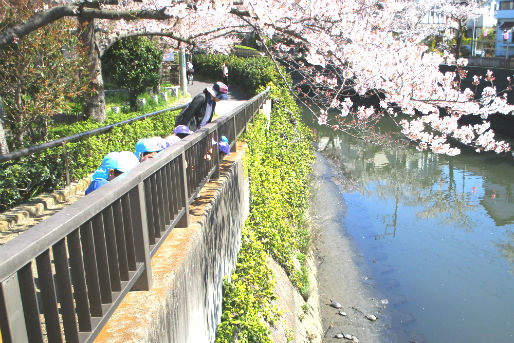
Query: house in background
434,17
480,27
504,35
456,30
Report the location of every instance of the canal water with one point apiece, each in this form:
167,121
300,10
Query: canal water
436,234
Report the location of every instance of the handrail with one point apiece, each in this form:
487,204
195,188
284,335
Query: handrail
81,135
76,266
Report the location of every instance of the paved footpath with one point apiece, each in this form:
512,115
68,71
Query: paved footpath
235,96
21,218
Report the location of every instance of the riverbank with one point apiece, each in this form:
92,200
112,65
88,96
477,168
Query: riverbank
300,319
340,271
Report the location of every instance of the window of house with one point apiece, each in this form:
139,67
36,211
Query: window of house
506,5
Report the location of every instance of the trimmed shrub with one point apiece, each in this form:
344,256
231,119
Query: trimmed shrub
250,74
26,177
133,63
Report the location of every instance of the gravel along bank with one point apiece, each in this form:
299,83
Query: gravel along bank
351,309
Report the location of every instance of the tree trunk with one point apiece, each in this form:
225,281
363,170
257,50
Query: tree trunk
157,87
4,149
458,40
133,99
94,107
19,127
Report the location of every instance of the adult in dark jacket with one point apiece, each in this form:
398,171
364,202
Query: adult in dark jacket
200,110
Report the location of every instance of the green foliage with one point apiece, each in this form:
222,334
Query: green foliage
133,63
278,164
22,179
26,177
40,74
466,41
251,73
244,47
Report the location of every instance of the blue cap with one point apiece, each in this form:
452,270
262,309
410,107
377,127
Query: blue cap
151,144
224,139
224,147
170,140
95,184
122,161
100,173
126,161
109,161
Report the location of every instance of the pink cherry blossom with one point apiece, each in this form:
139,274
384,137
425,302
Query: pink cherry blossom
353,47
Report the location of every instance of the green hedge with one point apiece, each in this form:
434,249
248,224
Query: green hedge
24,178
249,74
278,164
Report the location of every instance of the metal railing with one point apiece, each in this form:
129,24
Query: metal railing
64,140
62,279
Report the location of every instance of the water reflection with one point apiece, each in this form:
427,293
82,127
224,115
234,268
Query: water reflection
438,232
449,189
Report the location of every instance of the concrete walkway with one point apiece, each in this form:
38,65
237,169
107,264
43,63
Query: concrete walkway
235,96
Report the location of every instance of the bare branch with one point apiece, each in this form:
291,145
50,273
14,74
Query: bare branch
116,37
55,13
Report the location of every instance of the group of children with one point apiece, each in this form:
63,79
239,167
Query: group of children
119,162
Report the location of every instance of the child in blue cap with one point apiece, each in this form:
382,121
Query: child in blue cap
224,148
113,165
149,147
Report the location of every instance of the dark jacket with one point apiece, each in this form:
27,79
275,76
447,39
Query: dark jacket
193,114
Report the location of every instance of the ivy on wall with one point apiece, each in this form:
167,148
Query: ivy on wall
278,164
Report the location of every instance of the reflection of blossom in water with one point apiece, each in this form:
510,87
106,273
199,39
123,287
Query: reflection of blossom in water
452,208
414,178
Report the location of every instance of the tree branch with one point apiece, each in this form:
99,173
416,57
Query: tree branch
35,22
116,37
41,19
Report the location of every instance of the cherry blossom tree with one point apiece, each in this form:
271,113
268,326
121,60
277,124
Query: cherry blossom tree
340,51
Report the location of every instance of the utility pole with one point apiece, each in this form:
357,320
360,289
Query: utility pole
182,70
473,40
4,149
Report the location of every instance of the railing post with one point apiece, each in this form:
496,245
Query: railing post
246,118
140,225
12,320
215,152
233,147
66,164
184,221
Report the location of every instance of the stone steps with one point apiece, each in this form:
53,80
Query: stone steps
20,218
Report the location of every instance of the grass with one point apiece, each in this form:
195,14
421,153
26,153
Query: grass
115,99
120,99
